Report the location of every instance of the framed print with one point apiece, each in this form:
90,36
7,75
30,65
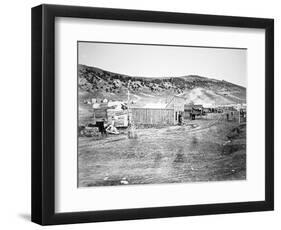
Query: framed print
142,114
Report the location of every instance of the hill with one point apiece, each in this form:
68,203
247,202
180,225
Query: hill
99,83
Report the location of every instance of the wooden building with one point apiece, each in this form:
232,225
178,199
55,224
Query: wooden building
152,116
177,104
191,111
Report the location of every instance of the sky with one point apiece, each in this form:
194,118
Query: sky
166,61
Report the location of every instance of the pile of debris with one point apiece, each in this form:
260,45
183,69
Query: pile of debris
89,131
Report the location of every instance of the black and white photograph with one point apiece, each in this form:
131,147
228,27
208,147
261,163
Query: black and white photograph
154,114
143,113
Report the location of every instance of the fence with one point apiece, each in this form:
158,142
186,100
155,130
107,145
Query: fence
152,116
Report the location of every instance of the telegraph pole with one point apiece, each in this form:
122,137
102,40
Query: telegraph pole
239,108
128,102
131,128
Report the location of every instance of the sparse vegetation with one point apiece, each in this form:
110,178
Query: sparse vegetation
101,83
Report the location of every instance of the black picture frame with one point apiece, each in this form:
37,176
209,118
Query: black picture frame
43,114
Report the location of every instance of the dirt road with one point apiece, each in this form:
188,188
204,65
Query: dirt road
198,151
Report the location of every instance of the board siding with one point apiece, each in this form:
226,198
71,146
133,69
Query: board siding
149,116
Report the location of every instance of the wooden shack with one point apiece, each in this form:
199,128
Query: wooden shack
177,104
152,116
99,114
108,111
191,111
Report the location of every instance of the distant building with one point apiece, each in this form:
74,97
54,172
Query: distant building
191,111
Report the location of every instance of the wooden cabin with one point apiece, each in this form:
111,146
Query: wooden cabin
177,104
191,111
152,116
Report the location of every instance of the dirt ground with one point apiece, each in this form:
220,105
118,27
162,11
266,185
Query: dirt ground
202,150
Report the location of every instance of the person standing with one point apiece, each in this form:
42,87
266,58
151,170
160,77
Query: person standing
180,119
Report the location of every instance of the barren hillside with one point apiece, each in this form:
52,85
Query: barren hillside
95,82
